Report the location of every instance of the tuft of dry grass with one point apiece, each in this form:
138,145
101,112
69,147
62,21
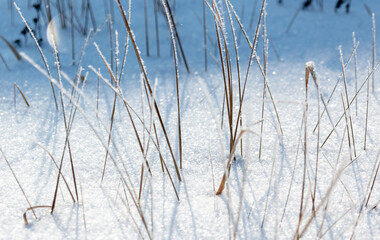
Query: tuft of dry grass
227,78
149,91
67,129
335,87
149,134
351,102
123,172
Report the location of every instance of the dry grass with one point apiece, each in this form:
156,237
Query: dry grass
149,91
13,49
15,86
146,132
39,49
19,184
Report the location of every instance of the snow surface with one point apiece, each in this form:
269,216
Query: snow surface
257,188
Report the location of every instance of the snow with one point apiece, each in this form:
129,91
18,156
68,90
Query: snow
262,196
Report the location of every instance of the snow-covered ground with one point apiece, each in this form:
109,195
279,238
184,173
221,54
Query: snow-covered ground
263,196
